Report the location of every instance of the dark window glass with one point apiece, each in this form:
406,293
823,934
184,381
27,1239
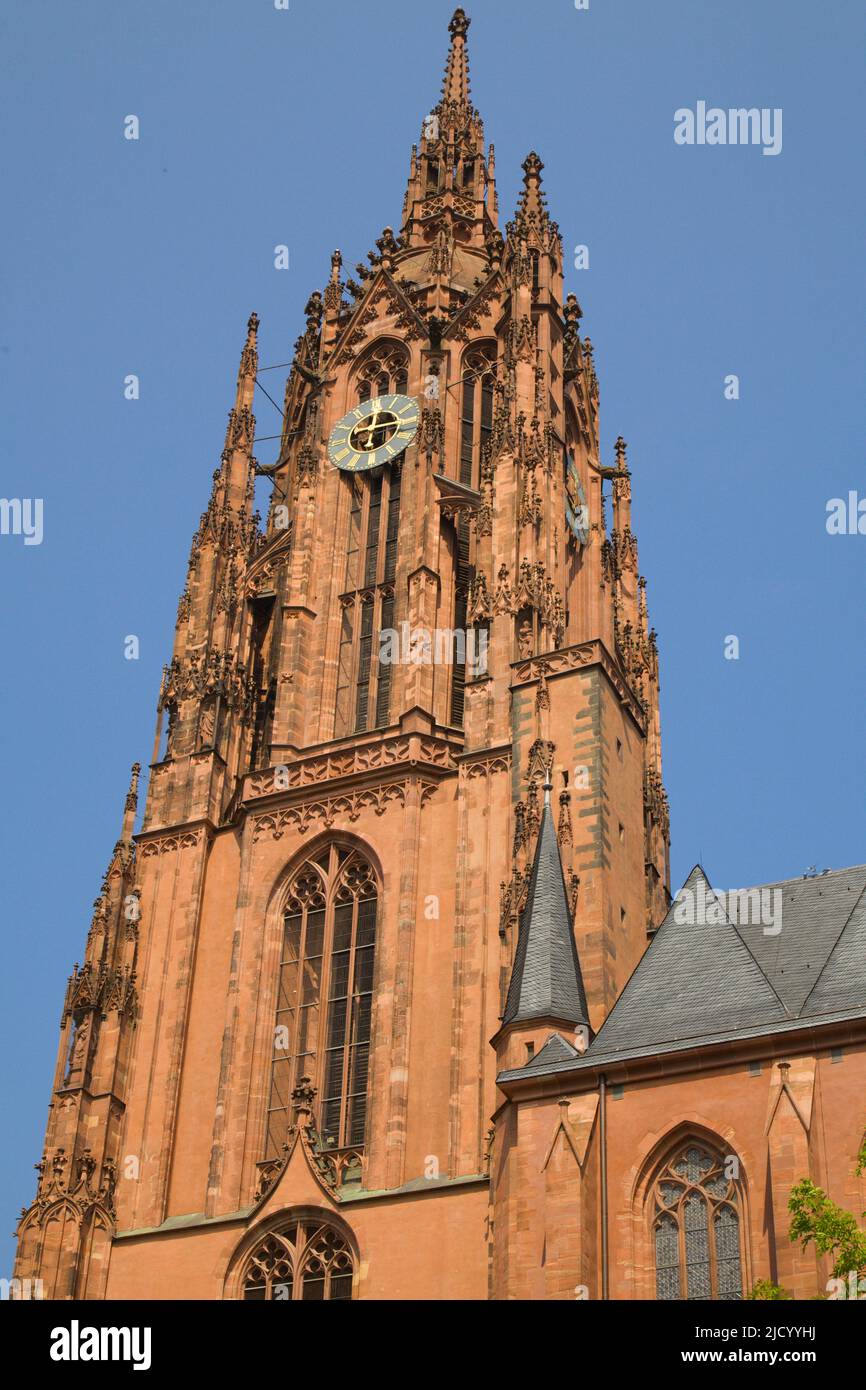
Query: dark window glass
696,1227
324,998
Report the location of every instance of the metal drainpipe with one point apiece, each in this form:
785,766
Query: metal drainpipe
602,1097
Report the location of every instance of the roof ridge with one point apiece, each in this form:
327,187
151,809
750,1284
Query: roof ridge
797,878
736,928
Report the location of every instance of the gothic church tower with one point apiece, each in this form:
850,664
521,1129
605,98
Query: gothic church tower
275,1066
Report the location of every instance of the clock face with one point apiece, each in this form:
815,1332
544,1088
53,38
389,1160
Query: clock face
576,510
375,432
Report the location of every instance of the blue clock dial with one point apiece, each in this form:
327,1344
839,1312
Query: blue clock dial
576,510
375,432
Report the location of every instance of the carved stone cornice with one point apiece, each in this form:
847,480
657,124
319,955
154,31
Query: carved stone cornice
484,764
593,653
322,813
455,499
169,844
363,762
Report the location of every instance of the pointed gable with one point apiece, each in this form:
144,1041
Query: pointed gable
696,980
556,1049
546,981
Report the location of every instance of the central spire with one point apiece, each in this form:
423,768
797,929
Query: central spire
455,87
450,177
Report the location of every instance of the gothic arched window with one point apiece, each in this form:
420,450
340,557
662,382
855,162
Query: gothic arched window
476,409
696,1221
383,370
476,423
325,995
305,1260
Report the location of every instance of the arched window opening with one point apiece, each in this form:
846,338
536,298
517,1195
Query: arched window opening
325,996
384,370
476,414
306,1260
476,424
696,1225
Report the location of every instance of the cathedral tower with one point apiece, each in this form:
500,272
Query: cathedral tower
276,1068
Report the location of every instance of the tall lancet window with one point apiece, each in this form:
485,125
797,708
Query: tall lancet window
696,1225
476,423
363,683
324,997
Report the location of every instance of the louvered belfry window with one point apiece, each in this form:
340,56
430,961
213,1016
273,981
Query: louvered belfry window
304,1260
325,996
697,1227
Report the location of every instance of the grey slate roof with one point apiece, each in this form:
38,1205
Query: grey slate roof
814,913
545,980
700,983
556,1050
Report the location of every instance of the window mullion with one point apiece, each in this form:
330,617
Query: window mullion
325,990
350,1017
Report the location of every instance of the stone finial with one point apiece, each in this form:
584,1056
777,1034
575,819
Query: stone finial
458,26
131,804
302,1099
572,312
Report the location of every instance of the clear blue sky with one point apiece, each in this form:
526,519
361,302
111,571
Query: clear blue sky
261,127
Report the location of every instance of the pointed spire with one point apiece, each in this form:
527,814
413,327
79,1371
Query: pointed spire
131,804
621,487
532,201
249,362
455,86
546,981
333,297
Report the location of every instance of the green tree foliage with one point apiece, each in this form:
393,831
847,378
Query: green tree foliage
766,1291
814,1217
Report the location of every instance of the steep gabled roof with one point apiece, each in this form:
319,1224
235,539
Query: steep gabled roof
695,978
545,980
841,983
704,979
814,913
556,1049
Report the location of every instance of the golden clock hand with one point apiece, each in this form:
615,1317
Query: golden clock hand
371,428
